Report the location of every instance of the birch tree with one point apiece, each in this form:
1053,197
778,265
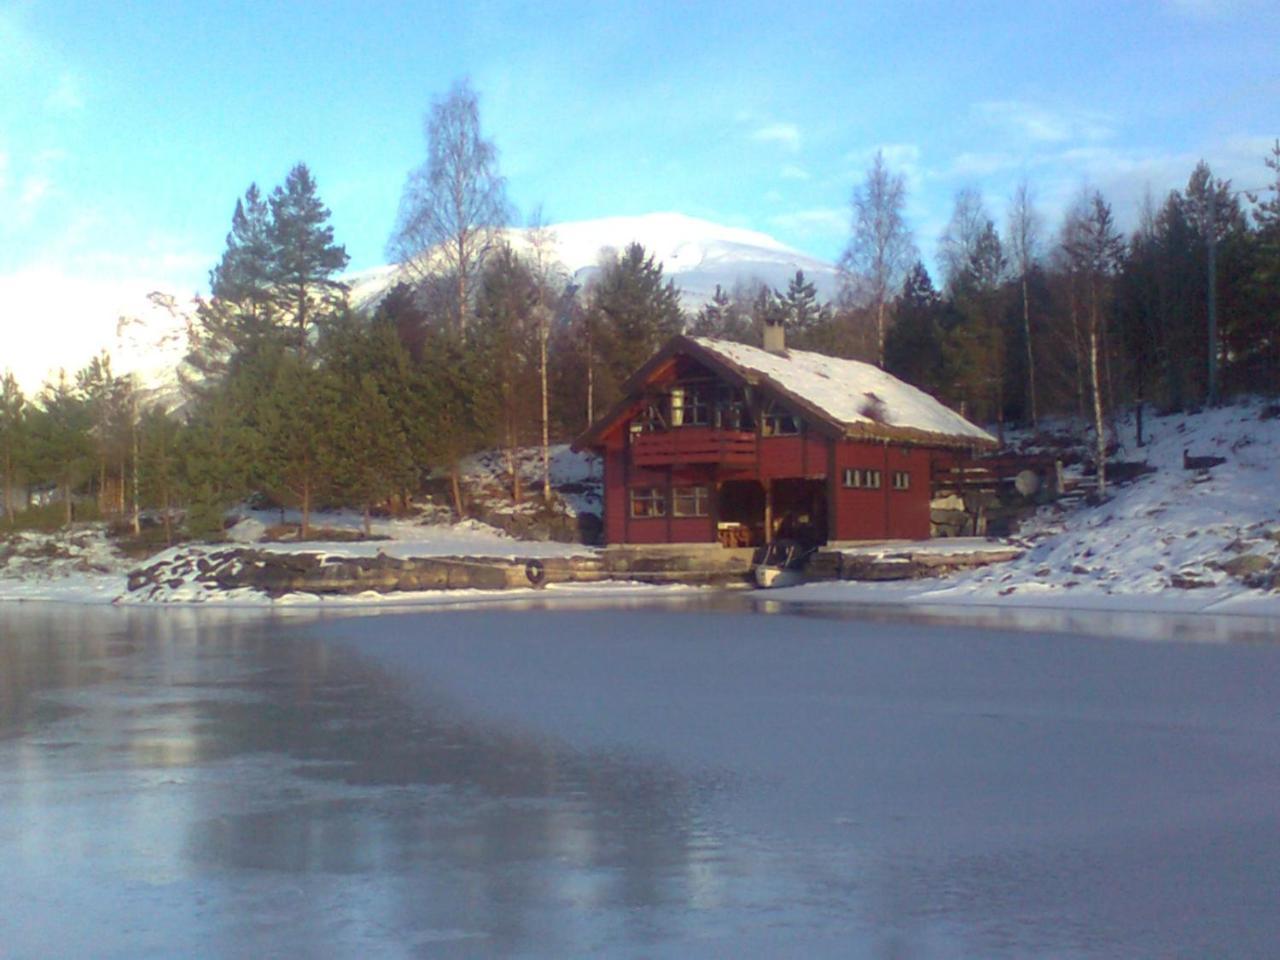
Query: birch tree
880,250
452,206
1095,248
1023,244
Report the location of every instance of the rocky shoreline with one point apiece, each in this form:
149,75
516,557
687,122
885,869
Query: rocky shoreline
277,574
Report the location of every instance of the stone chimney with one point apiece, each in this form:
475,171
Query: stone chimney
775,336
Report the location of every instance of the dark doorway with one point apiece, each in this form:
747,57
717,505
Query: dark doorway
800,510
741,513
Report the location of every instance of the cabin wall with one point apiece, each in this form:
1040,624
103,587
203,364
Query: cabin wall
620,527
885,512
615,495
802,456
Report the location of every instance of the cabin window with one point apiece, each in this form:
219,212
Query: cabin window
691,406
690,501
777,421
649,420
901,480
857,478
648,502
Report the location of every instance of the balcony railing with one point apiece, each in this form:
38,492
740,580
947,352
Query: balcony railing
693,445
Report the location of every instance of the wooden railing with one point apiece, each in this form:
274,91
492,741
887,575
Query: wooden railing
693,445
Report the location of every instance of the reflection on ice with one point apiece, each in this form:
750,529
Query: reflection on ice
1127,624
682,781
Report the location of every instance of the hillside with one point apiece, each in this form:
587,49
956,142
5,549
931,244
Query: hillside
1172,540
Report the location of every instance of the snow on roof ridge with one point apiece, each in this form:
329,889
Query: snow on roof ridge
840,388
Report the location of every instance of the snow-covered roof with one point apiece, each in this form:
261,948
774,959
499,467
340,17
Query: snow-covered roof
844,397
859,396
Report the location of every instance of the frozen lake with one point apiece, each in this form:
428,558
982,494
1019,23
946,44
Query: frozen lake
705,780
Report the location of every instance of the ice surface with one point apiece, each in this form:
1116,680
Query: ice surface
619,784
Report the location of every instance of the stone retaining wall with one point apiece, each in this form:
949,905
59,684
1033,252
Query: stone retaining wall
279,573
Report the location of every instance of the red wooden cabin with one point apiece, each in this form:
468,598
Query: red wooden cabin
718,441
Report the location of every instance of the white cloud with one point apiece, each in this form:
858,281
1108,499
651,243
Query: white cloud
786,134
66,96
70,314
816,220
1037,124
792,172
978,164
35,187
899,158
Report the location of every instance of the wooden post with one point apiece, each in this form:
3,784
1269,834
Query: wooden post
768,511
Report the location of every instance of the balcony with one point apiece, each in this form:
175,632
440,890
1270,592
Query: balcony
693,445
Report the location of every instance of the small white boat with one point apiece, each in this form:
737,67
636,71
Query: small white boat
782,565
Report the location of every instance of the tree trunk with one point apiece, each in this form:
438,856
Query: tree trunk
137,512
546,426
880,333
368,520
1031,360
165,508
1079,365
591,380
455,483
8,486
1098,425
305,530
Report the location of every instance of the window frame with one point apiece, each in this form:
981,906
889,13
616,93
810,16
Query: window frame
773,416
863,478
901,480
699,493
654,497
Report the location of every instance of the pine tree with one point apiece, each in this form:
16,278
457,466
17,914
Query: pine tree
300,423
240,314
275,278
800,304
304,257
1263,351
504,341
108,403
371,461
973,256
61,450
638,311
915,346
726,316
160,464
13,439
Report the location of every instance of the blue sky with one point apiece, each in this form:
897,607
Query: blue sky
127,131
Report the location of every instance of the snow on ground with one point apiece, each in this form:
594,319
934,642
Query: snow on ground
1173,526
576,477
74,566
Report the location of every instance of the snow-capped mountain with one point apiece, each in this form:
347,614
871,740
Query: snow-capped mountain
697,254
145,332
